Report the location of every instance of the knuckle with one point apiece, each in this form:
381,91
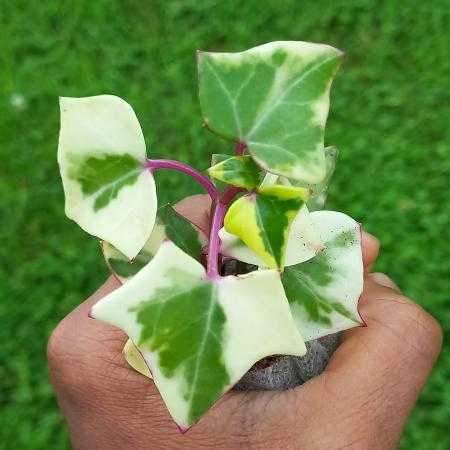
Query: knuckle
84,363
55,345
425,333
68,358
432,330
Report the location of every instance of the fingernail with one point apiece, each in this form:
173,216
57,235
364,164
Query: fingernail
384,280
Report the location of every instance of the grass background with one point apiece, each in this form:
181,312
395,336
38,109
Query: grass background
390,119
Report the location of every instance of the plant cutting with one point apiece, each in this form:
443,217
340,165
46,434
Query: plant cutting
193,326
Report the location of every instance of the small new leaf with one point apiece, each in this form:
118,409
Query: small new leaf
262,220
193,332
275,99
239,171
324,291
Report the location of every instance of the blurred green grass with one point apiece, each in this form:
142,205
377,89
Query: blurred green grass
390,119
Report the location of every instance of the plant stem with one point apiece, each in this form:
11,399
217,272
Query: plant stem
214,241
223,202
240,148
217,222
156,164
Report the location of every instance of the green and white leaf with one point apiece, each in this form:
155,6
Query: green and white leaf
239,171
324,291
303,243
275,99
101,157
263,220
193,333
169,225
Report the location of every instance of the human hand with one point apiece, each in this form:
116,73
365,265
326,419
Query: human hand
361,401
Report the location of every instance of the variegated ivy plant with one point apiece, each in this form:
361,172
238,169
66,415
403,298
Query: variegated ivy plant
194,331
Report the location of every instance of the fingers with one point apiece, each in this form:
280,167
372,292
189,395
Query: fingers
379,370
383,280
370,249
396,327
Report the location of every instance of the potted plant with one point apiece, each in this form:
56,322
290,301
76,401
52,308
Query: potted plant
213,285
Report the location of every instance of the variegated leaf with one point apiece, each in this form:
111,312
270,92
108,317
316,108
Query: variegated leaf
239,171
101,156
193,333
275,99
169,225
324,291
262,220
303,243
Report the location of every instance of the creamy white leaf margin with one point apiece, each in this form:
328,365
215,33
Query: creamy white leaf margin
347,268
258,296
303,243
95,126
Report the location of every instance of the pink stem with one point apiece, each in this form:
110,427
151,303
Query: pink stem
240,148
214,241
222,202
217,223
219,213
155,164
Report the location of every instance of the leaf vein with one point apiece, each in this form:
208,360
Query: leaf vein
263,117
